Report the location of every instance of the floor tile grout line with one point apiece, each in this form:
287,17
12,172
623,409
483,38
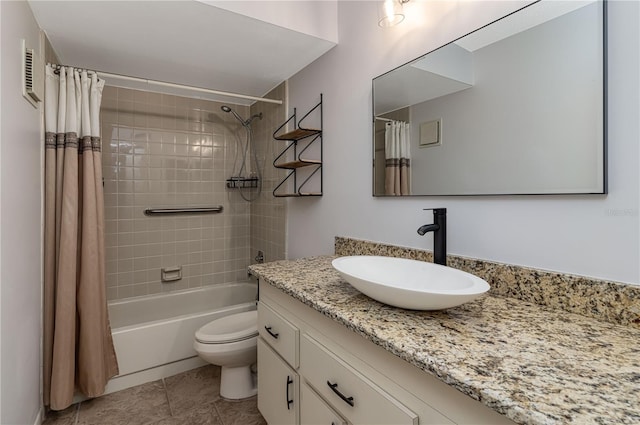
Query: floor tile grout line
77,415
166,394
215,406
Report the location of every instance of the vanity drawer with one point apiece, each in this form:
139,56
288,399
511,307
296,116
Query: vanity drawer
315,411
279,333
358,399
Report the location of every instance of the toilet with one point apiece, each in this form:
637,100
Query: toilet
230,342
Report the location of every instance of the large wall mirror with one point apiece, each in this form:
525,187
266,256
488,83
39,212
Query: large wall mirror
516,107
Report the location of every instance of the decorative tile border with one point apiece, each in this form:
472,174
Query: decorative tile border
603,300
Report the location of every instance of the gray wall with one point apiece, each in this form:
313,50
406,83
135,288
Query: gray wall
495,143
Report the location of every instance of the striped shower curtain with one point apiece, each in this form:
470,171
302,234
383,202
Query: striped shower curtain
397,144
78,347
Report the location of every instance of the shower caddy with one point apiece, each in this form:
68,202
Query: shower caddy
306,137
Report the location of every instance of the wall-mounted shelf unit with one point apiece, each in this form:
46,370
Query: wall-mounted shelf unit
303,141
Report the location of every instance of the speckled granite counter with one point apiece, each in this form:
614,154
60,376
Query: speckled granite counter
533,364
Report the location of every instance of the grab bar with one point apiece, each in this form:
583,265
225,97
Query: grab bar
197,210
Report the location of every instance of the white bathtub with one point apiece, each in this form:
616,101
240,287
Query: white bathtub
153,335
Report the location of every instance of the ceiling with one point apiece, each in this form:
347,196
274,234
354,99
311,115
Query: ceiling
185,42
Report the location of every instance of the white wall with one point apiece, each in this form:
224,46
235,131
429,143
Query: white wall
20,220
596,236
0,230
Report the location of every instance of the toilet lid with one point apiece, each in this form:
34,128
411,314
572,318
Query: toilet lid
232,328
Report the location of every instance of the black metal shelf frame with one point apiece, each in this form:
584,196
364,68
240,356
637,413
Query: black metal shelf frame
299,133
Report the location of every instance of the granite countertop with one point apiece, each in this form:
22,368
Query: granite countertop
533,364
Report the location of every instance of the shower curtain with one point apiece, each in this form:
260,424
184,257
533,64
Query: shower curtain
398,158
78,347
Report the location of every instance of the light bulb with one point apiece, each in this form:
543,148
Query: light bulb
390,13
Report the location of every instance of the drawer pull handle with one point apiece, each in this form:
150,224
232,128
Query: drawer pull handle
289,381
334,388
273,334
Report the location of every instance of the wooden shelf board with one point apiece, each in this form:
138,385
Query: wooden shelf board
298,134
298,164
296,195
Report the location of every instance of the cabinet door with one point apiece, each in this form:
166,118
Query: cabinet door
315,411
278,388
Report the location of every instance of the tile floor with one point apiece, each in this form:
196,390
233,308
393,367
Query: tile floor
190,398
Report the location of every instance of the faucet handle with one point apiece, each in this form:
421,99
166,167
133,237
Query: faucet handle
438,211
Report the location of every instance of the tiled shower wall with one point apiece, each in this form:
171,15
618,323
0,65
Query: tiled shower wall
268,213
169,151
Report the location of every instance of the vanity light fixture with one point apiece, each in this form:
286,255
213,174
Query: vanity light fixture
390,12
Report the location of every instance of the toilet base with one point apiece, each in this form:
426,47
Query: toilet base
237,382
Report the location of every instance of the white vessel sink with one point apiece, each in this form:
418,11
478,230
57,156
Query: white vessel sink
410,284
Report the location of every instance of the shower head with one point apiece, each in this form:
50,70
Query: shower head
227,109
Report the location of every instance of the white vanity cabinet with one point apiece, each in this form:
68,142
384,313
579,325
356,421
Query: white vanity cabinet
340,377
278,381
278,388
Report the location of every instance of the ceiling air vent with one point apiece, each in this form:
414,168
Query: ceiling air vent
32,70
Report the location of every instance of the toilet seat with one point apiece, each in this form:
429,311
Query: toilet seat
233,328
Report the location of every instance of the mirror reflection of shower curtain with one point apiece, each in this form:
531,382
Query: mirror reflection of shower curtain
397,142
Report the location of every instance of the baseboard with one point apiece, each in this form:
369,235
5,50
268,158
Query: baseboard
38,420
138,378
148,375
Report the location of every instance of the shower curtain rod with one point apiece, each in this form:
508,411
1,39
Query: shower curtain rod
383,119
174,85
